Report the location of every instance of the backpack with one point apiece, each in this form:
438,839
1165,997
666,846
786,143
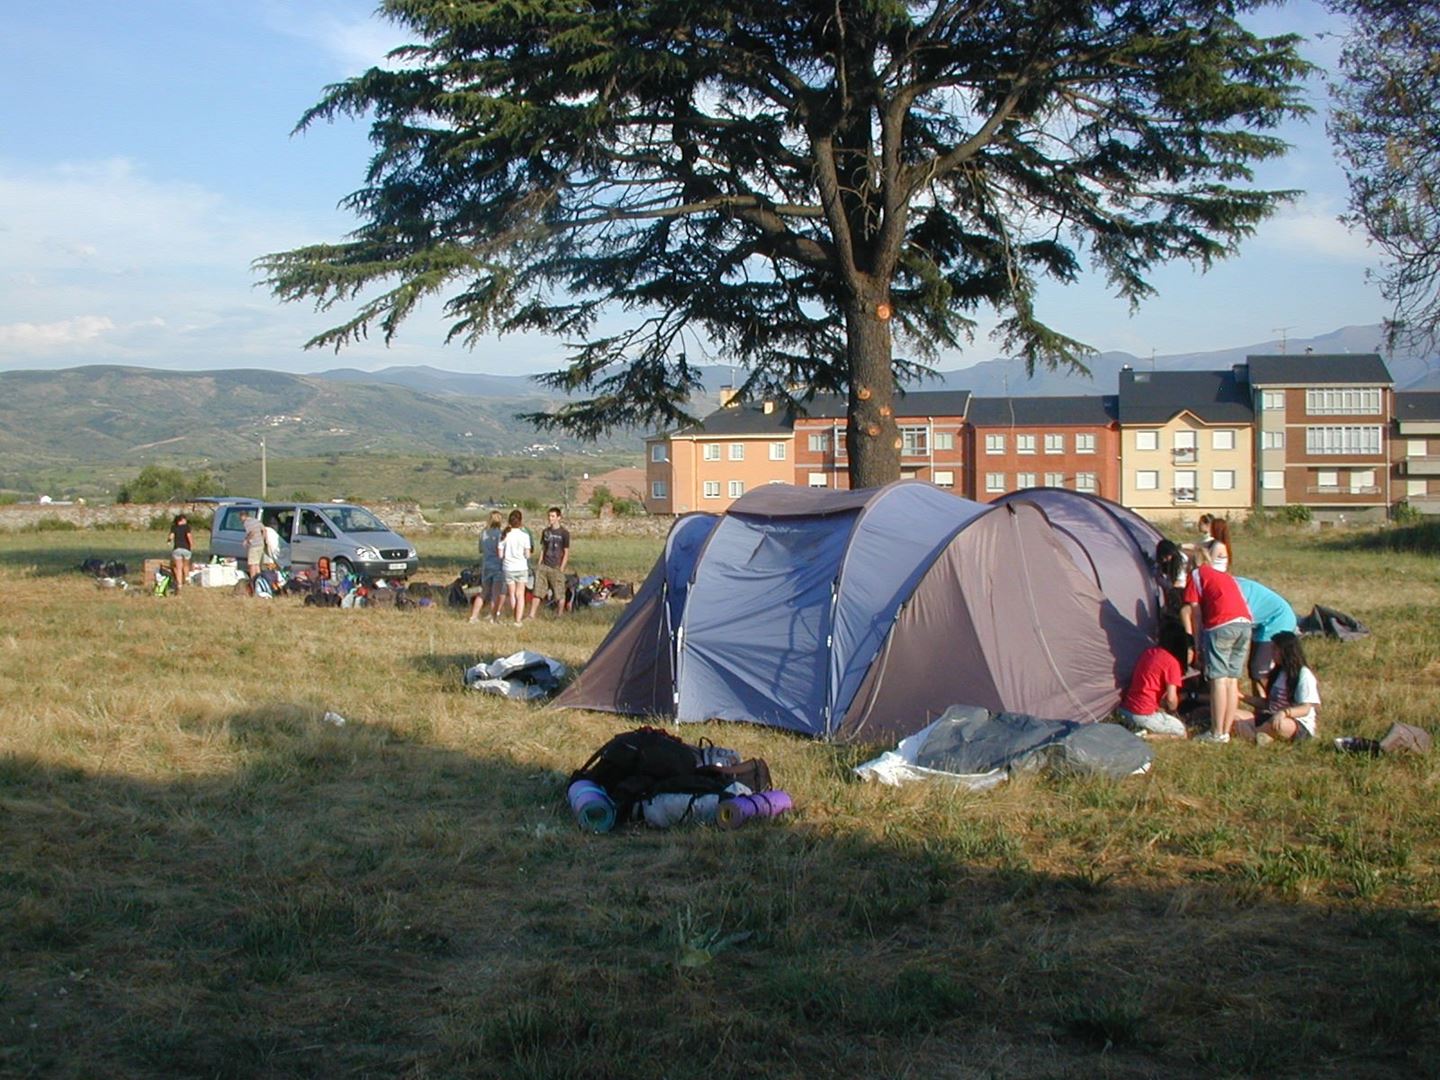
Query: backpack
261,588
164,582
637,765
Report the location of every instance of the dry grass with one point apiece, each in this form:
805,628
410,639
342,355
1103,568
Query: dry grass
199,877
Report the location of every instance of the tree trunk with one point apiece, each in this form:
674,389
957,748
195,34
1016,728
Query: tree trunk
872,437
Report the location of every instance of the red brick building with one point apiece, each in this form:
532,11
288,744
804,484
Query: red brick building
932,433
1025,442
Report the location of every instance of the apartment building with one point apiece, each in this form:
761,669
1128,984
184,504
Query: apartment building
932,440
1416,448
1186,442
709,465
1025,442
1323,422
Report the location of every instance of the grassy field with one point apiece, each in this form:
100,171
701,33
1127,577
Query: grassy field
199,877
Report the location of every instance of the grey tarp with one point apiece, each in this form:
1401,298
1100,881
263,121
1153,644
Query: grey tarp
969,740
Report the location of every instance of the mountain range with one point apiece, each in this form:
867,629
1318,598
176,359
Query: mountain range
113,413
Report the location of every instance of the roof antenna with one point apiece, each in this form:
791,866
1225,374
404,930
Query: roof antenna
1281,331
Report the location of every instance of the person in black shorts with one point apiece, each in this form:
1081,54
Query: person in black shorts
554,558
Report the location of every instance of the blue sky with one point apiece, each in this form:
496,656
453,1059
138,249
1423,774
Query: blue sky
146,159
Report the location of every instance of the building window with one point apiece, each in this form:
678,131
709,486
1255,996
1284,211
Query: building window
944,478
657,489
1417,489
1328,480
1343,401
944,440
995,444
1147,440
1054,444
1024,444
1415,447
1024,480
1362,482
1085,481
657,452
994,482
1342,440
712,451
1272,399
737,451
914,441
1223,439
1272,480
1272,440
1223,479
819,441
1147,480
712,489
819,479
842,445
777,451
1054,479
1185,485
1084,444
737,488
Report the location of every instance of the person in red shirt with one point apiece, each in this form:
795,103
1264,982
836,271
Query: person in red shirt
1153,699
1215,604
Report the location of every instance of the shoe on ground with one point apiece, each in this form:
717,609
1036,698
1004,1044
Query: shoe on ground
1210,738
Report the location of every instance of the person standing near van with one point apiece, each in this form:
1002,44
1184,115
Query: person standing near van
554,558
492,570
254,542
515,559
182,549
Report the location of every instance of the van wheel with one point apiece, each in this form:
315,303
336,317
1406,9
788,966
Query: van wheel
345,567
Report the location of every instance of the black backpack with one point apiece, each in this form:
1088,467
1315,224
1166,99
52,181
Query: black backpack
638,764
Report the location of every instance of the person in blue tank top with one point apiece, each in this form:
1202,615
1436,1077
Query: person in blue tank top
1273,615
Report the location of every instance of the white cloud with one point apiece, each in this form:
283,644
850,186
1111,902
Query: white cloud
1312,228
350,32
81,328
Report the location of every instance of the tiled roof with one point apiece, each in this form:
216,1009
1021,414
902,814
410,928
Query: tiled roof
738,420
1417,405
916,403
1319,369
1154,397
1090,409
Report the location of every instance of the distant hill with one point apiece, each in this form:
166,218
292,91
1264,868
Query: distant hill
125,413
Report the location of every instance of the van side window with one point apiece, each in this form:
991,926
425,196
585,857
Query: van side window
312,524
232,522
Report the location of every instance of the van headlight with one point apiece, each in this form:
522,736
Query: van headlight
367,553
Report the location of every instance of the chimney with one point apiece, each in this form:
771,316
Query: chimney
727,396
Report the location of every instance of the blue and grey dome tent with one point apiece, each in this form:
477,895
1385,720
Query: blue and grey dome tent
865,614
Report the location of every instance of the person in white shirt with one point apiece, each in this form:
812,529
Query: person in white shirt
1292,696
515,561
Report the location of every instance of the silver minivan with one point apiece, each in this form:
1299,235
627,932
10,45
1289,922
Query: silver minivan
350,537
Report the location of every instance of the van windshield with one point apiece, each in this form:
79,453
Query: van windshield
355,519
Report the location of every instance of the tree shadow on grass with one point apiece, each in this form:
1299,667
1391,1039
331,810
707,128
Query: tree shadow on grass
352,901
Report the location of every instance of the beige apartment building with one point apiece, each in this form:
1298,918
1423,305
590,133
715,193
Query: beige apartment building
1186,443
708,465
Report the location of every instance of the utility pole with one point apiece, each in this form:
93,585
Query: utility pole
263,484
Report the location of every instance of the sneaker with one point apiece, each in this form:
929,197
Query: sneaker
1210,738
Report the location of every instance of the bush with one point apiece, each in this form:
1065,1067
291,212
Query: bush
157,484
1296,514
52,524
1405,514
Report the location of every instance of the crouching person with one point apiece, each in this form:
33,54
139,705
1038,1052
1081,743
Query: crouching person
1151,704
1292,694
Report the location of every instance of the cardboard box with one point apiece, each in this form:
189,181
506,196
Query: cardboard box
147,577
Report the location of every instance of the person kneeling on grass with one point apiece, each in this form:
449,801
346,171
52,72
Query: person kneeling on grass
1292,694
1150,704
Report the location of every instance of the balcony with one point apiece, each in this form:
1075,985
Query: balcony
1336,490
1185,455
1421,465
1182,496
